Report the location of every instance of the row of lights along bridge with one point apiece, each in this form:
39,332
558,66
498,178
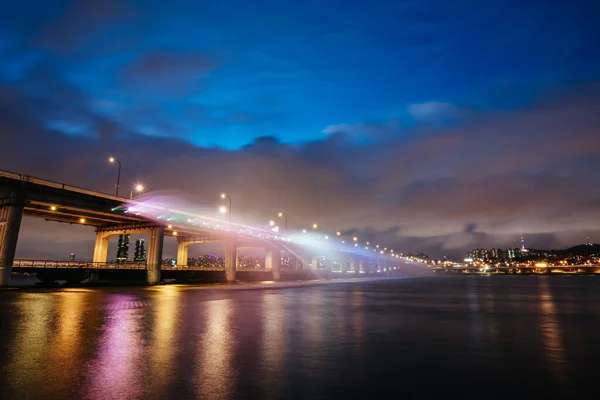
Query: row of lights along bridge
226,210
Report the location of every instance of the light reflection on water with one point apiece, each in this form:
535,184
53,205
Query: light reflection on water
334,341
216,379
551,336
115,372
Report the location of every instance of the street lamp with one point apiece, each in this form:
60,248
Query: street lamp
272,223
138,187
315,226
355,238
338,233
225,196
282,215
113,160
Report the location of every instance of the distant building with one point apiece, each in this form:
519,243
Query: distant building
123,248
140,251
72,257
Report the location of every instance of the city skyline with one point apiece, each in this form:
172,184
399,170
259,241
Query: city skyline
367,136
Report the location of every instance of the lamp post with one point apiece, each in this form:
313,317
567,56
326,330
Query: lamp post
282,215
225,196
139,188
113,160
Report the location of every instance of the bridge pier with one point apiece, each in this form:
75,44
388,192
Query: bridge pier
328,265
344,265
11,214
231,255
273,262
182,253
155,249
101,247
314,263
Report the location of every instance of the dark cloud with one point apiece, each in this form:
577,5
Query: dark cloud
79,20
154,64
440,191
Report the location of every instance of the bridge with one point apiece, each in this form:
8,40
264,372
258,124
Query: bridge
314,254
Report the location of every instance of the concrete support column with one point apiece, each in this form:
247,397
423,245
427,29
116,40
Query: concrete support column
361,266
230,260
314,264
273,262
354,266
155,249
11,213
328,265
101,247
182,254
344,265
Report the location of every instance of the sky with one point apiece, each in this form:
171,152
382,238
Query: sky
428,126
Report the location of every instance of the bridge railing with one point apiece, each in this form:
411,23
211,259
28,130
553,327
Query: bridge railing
170,267
76,264
130,265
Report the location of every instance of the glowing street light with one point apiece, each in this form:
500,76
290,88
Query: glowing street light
82,220
272,223
225,196
303,230
53,208
338,233
223,210
138,188
355,239
113,160
282,215
315,226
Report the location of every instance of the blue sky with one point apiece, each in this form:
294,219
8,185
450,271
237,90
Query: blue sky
433,126
223,73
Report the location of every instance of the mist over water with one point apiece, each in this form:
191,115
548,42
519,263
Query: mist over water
498,337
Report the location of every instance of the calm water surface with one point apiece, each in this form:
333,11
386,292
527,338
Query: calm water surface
463,337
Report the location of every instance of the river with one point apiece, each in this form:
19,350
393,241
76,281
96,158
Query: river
456,337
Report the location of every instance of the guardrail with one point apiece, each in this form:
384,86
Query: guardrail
169,267
128,265
76,264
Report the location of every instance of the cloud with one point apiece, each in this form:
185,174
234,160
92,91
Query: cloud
439,190
79,21
433,110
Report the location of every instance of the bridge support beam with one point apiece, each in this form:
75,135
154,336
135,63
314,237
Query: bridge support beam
11,213
101,247
155,249
314,263
231,255
182,254
344,265
273,262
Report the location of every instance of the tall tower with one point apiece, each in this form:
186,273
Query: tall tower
523,249
140,251
123,248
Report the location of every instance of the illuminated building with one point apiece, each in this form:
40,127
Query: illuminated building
140,251
123,248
